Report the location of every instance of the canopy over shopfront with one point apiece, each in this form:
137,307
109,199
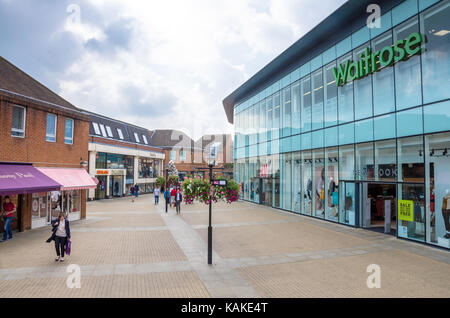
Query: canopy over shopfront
24,178
69,178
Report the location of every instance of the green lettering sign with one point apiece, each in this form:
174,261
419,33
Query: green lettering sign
370,62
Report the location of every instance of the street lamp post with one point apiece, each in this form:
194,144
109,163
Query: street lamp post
210,166
167,181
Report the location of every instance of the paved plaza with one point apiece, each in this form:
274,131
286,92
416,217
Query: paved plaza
135,249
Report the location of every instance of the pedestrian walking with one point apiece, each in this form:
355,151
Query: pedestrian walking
156,193
167,196
8,212
132,193
173,191
61,235
136,191
178,200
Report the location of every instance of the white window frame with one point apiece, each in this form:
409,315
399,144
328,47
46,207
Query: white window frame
102,128
109,132
119,131
96,128
56,125
136,137
145,139
24,122
65,137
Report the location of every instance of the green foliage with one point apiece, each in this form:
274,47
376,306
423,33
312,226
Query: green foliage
200,189
160,181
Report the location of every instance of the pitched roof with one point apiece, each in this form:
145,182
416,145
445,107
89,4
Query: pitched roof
14,80
170,137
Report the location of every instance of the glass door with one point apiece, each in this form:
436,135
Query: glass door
348,203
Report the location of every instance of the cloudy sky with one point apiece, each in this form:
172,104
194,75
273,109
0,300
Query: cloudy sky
153,63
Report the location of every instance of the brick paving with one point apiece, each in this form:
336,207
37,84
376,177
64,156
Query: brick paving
134,249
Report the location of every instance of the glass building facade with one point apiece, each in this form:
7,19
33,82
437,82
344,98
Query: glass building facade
373,153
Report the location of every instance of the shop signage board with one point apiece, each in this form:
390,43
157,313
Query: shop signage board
387,56
102,172
406,210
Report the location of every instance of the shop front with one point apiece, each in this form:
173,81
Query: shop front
68,200
111,183
22,183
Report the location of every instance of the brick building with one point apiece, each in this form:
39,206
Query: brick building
189,154
45,138
120,156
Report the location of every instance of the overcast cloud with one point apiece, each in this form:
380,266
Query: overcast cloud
157,64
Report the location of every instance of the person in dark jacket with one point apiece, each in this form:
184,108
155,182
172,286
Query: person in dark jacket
167,196
61,233
178,200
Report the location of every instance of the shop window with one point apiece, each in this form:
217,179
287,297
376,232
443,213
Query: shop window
286,182
365,169
437,161
308,189
319,183
332,184
296,182
411,211
383,79
146,168
68,133
386,160
411,159
18,121
50,132
436,52
408,90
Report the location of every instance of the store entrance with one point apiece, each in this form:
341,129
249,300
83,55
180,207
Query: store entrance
379,206
266,193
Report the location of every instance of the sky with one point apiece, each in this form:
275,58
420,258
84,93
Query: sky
159,64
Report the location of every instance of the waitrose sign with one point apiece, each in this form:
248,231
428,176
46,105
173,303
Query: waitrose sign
371,62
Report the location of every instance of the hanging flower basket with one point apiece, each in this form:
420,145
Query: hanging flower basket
199,189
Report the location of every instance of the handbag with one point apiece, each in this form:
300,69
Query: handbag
68,247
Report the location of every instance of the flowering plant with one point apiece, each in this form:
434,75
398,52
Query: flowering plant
200,189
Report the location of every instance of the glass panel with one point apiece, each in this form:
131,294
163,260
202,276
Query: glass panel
364,162
408,91
363,90
18,121
306,104
68,136
346,162
286,125
276,116
383,79
364,130
295,94
347,203
286,182
411,211
411,160
331,186
436,117
319,183
296,182
345,96
276,180
262,122
269,105
307,182
51,128
384,127
317,100
437,160
436,55
96,128
410,122
385,160
330,96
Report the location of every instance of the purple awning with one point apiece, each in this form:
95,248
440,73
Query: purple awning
24,178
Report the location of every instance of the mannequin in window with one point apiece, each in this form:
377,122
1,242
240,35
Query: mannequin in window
446,212
320,190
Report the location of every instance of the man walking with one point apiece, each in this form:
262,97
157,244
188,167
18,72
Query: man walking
156,193
178,200
167,197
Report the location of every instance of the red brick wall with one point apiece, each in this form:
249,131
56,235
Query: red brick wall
34,148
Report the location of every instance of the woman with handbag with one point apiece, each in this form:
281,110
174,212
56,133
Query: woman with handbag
8,212
61,235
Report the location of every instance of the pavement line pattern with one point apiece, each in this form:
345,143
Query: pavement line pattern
204,226
119,229
219,279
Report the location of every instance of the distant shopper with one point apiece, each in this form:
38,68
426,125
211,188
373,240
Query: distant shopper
132,193
167,196
173,191
156,193
8,212
178,200
136,190
61,233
